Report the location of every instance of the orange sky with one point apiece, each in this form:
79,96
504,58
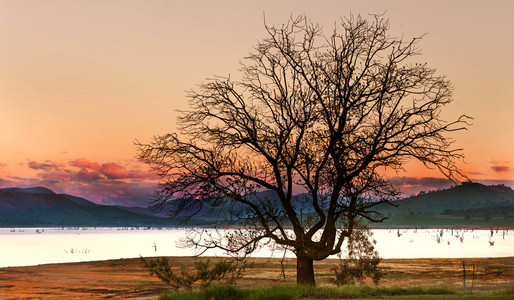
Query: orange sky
81,80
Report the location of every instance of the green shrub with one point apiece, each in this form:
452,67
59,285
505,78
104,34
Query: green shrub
224,271
362,260
224,292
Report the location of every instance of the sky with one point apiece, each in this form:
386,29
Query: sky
80,81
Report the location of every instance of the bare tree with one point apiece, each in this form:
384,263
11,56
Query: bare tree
320,114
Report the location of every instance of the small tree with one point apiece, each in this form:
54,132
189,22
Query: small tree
320,114
362,260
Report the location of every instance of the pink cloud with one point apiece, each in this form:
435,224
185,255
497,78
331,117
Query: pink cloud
107,183
85,163
114,171
131,185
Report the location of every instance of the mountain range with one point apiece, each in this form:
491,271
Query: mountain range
466,204
40,206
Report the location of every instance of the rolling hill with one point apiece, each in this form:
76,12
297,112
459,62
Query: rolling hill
42,207
466,204
461,197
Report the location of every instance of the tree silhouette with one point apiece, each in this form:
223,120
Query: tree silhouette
313,113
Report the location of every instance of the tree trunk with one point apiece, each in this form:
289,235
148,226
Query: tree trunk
304,271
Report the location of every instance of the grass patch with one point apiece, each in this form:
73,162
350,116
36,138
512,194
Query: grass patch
278,292
506,292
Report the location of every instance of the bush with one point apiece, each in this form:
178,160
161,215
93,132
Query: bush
345,273
225,271
362,260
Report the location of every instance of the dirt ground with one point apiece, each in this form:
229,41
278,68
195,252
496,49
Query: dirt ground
128,279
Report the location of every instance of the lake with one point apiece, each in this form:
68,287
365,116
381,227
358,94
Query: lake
33,246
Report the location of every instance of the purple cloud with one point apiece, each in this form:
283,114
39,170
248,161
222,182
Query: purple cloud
434,182
413,185
47,165
106,183
500,168
4,182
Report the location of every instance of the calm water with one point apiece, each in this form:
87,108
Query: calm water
33,246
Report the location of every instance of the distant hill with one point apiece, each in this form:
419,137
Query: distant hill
208,214
464,196
43,207
469,204
33,190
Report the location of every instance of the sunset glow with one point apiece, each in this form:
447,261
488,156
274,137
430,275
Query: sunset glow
81,81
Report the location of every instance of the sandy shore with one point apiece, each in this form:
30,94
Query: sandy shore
128,279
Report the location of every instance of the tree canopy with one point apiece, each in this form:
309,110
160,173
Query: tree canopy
318,114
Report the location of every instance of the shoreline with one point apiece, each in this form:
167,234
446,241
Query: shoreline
329,259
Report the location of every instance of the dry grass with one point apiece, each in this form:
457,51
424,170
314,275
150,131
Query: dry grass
127,278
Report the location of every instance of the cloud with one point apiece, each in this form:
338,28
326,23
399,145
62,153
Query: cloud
4,182
61,176
436,182
500,168
86,176
126,183
16,181
112,170
2,165
475,173
413,185
47,165
85,163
